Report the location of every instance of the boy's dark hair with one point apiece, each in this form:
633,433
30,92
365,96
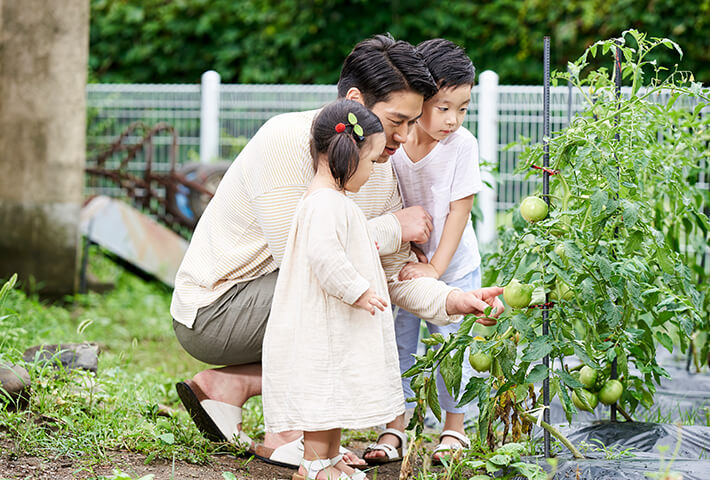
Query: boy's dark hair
447,62
380,66
342,148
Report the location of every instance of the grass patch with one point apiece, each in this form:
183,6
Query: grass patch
84,416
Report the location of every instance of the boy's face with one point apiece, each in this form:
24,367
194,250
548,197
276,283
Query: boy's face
444,113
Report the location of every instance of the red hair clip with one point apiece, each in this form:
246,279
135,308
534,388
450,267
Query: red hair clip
340,127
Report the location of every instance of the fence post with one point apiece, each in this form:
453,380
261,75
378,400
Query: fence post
209,116
488,152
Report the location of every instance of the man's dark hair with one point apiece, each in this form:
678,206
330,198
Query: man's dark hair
380,66
447,62
342,146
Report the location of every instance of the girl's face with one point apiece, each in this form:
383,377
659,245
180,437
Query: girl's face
369,154
444,113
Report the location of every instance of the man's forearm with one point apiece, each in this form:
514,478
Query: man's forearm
386,232
425,297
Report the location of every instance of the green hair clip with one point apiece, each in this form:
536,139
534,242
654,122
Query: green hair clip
357,129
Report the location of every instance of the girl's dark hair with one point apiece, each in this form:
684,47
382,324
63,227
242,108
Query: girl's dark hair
447,62
380,66
342,149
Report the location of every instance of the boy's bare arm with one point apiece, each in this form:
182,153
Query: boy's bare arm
459,215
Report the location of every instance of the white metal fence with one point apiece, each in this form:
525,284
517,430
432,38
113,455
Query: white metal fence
244,108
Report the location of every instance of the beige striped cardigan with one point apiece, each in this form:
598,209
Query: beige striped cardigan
243,231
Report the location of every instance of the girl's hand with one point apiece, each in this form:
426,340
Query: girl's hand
369,301
420,255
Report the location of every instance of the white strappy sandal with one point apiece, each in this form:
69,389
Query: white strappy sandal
450,449
392,454
313,467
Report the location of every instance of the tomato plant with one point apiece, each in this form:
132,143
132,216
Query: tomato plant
626,210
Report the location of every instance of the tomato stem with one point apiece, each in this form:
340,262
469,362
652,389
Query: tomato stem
553,431
623,413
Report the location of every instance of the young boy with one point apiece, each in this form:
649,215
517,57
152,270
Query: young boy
438,169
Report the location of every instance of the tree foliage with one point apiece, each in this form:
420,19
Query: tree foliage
296,41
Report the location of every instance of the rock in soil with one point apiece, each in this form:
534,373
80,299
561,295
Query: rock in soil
71,355
14,386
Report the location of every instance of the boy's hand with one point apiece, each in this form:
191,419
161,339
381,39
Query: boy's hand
415,270
415,223
369,301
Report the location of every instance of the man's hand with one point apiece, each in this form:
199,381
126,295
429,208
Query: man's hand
415,270
416,224
476,302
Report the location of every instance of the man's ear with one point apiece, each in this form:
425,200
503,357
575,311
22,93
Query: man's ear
355,94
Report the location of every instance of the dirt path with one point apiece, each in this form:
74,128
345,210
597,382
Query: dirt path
23,467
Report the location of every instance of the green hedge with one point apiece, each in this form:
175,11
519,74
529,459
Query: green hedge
298,41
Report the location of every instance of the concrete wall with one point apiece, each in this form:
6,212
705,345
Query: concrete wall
43,64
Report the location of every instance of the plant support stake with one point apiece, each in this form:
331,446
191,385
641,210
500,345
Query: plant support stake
617,91
569,100
546,195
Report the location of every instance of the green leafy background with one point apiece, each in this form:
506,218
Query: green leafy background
290,41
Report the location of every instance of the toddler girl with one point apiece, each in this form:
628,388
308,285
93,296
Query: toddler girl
330,356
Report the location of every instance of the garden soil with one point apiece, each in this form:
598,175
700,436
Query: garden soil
133,464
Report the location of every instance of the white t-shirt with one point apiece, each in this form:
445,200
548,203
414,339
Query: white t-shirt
448,173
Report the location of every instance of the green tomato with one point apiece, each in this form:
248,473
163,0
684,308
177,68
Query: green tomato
588,377
533,209
480,361
561,252
518,295
611,392
591,399
561,292
559,230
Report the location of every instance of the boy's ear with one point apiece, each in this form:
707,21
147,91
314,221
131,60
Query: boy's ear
355,94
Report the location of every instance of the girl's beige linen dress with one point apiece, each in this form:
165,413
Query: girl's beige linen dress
327,364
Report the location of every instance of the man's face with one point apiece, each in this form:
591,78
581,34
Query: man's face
397,115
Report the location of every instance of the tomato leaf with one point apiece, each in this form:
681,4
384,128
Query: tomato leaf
450,369
521,323
583,356
565,398
433,400
507,358
537,349
611,313
537,374
568,379
631,214
604,266
598,201
473,389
